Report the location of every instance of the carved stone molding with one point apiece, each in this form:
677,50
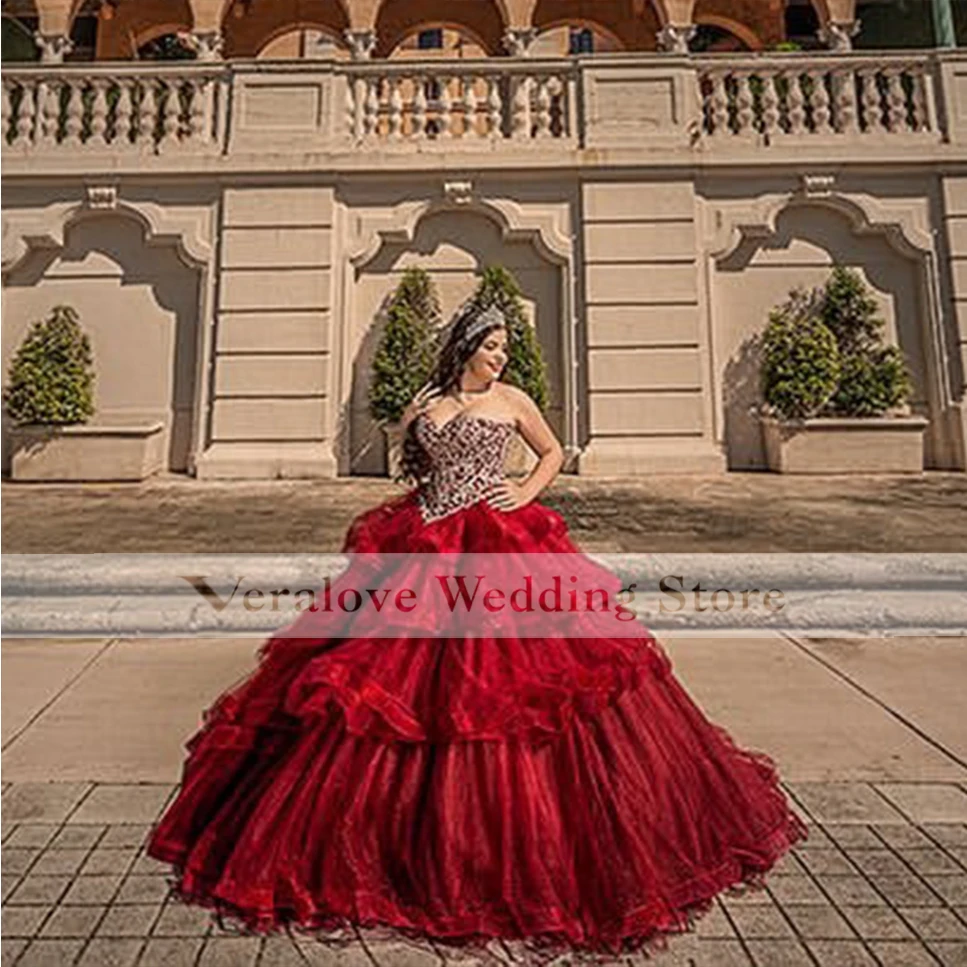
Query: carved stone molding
53,47
518,41
675,38
361,43
458,192
207,44
838,35
189,233
102,197
816,186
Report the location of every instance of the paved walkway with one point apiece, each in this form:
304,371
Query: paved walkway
869,735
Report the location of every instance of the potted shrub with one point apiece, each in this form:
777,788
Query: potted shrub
49,399
526,368
836,397
404,356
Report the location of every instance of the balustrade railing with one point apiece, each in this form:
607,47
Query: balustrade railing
793,96
514,100
124,108
156,108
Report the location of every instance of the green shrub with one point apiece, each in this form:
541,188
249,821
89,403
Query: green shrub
800,361
526,368
871,383
51,377
405,353
874,377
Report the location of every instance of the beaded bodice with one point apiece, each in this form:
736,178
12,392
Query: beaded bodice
466,457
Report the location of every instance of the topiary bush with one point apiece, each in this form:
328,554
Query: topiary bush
526,368
800,360
51,376
405,353
874,377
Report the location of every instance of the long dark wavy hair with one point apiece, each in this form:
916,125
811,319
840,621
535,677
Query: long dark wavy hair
464,337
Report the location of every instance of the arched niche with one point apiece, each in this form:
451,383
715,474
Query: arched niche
454,245
138,300
797,243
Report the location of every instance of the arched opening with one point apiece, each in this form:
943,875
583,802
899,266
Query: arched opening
758,25
249,28
443,40
618,25
304,41
802,24
400,22
18,24
141,29
575,40
714,38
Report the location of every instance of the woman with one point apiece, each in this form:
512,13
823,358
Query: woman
563,793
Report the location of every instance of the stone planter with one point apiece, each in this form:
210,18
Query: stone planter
82,452
845,444
393,435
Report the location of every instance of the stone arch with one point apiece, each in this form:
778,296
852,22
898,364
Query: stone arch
134,24
634,25
448,27
760,254
757,23
138,282
246,36
454,239
399,19
286,42
748,37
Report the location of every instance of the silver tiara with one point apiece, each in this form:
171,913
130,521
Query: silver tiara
489,318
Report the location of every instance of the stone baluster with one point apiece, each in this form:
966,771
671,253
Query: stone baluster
7,113
169,109
49,110
199,115
797,103
744,105
494,106
26,116
395,103
872,104
98,113
73,114
470,103
843,81
819,98
921,113
445,118
770,105
521,107
419,106
542,107
352,117
896,100
144,126
371,107
718,116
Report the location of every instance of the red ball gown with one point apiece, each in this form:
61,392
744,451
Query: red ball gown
566,794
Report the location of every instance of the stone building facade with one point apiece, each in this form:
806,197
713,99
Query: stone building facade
229,228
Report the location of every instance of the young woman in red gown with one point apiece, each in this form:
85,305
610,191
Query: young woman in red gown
562,793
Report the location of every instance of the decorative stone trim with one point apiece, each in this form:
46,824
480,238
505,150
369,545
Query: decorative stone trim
361,43
53,47
458,192
207,44
838,35
675,38
102,197
518,41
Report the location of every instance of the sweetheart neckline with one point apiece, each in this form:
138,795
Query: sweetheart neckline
463,414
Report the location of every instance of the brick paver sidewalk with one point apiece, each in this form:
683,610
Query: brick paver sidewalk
882,882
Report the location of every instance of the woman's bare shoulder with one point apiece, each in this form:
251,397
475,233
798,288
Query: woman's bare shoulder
515,399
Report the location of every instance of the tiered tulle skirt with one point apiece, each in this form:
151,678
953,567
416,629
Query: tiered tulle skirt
564,793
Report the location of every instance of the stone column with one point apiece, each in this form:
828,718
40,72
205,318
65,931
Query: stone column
53,47
838,35
518,40
361,43
674,38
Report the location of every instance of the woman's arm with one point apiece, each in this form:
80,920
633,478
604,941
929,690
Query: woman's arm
530,422
425,396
